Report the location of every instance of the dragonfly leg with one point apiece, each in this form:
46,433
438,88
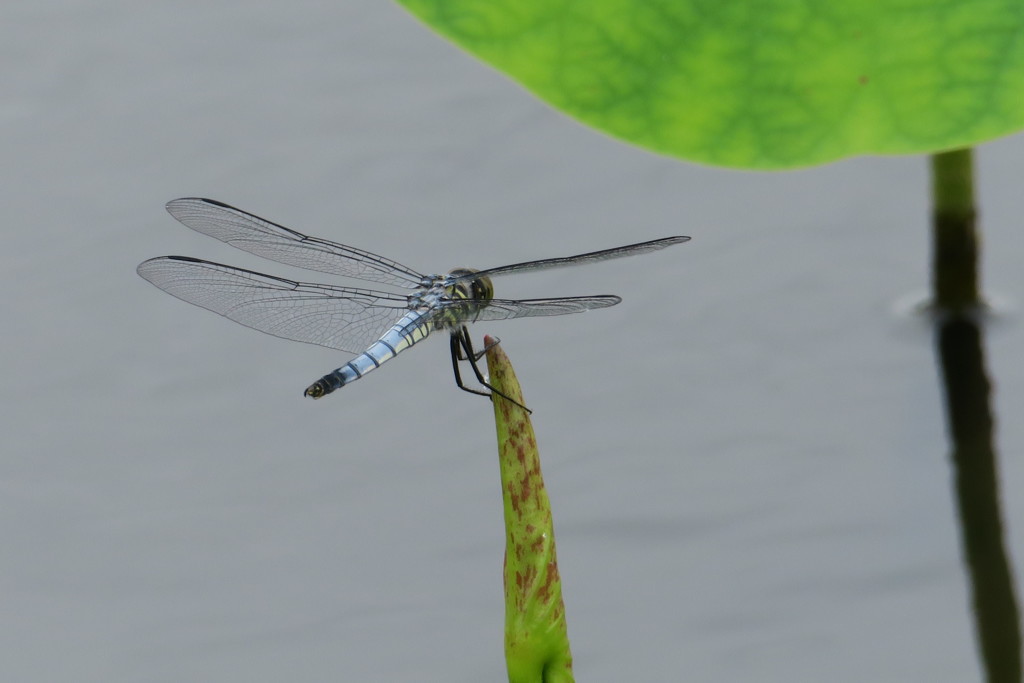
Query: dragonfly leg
487,346
456,347
461,342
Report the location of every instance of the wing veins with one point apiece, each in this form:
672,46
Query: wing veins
579,259
463,311
344,318
276,242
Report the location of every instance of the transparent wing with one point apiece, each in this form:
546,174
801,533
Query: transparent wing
506,309
278,243
580,259
341,318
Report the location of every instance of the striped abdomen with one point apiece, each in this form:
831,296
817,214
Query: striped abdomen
411,329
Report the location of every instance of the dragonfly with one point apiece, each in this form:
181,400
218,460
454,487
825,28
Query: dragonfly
376,325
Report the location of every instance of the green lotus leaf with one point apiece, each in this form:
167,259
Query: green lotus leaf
760,83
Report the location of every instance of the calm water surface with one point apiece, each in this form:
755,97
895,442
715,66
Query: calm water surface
747,458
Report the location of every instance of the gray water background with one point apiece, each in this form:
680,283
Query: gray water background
746,458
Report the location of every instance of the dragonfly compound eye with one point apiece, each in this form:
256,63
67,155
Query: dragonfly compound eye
482,288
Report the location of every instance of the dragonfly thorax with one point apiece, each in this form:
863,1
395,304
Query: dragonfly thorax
455,299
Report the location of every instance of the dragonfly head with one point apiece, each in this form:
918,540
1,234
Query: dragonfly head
479,288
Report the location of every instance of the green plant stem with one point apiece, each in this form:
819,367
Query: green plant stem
536,640
956,246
